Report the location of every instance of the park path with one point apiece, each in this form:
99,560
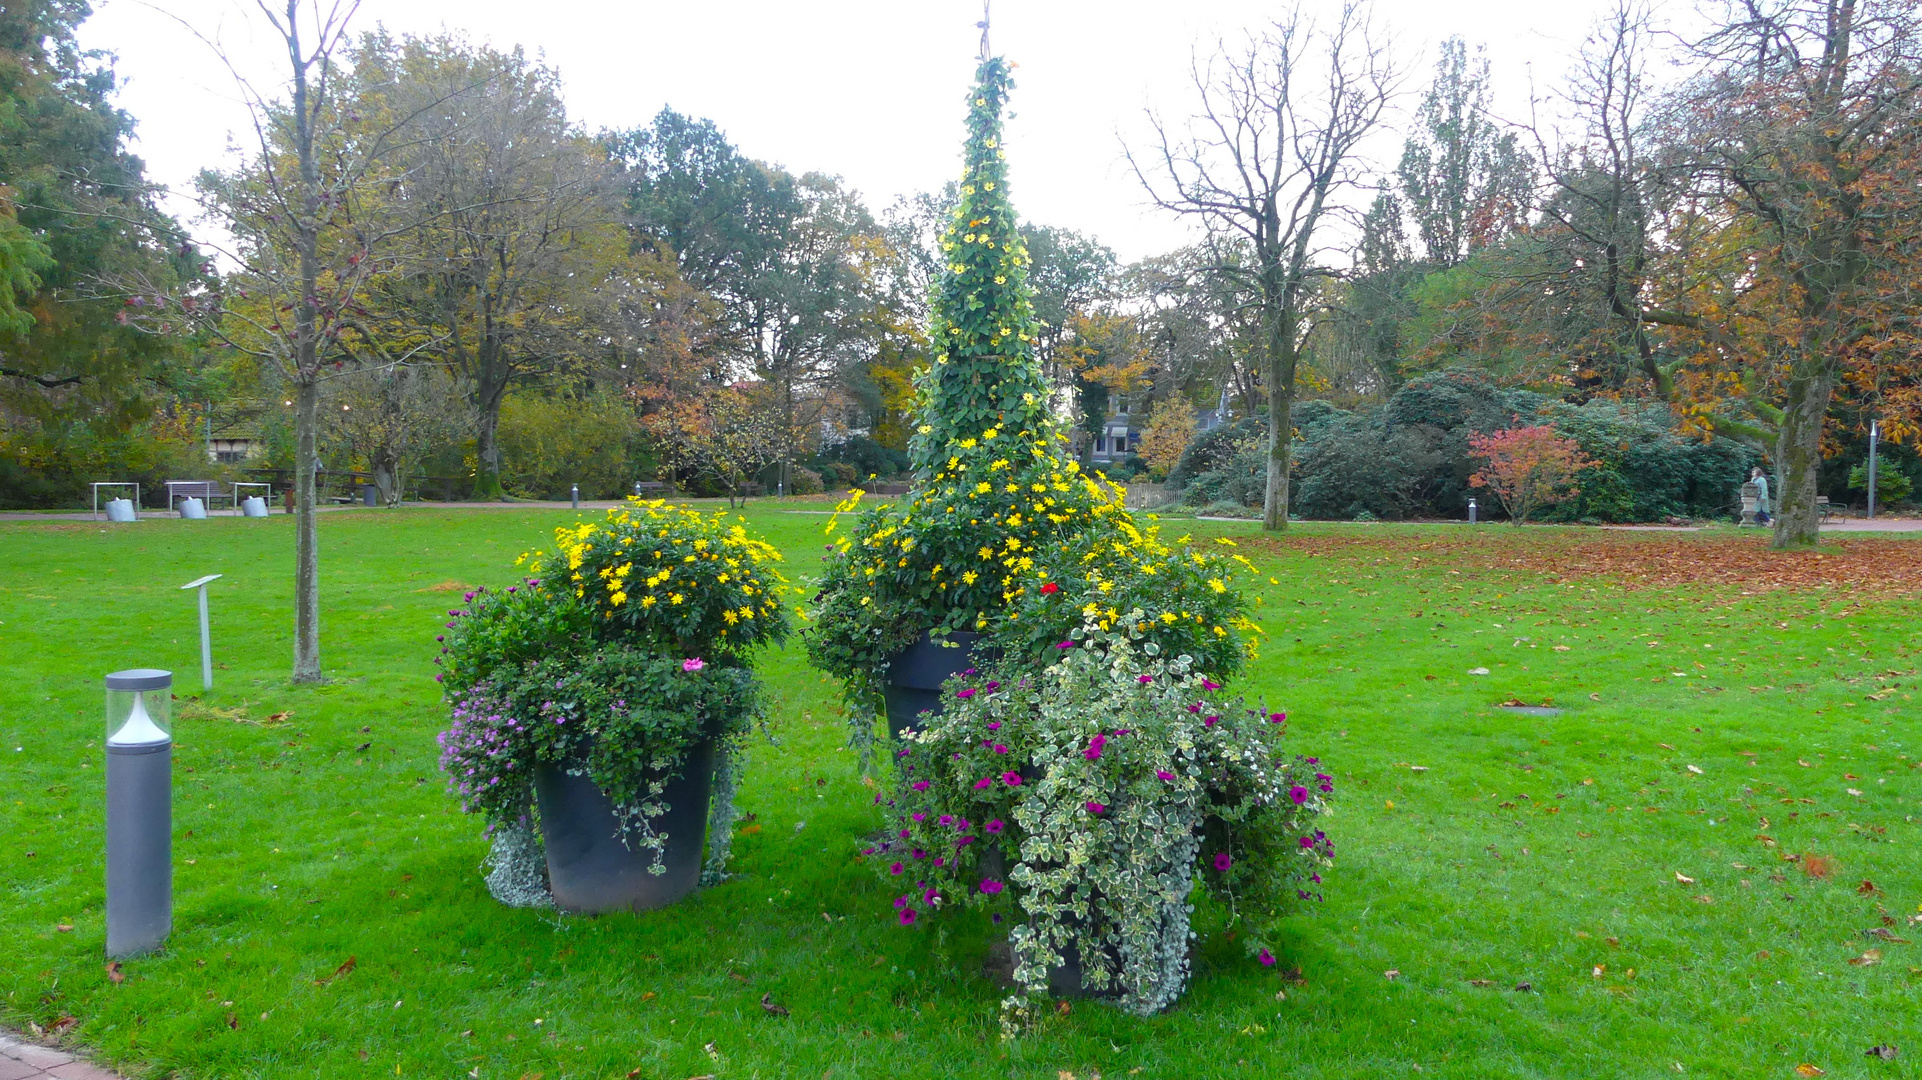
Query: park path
31,1061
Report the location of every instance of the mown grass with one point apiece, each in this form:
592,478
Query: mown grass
1537,850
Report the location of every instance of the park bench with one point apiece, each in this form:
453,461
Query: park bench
1824,507
204,490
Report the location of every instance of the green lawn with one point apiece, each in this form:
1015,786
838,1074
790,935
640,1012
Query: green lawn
1473,844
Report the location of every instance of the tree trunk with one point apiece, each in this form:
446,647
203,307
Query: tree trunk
490,389
306,537
386,472
1281,425
1798,458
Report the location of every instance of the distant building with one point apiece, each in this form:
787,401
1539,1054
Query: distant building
234,443
1119,437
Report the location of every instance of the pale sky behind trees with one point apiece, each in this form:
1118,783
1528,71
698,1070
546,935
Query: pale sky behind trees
870,90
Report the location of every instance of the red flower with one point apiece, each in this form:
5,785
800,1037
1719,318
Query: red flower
1050,589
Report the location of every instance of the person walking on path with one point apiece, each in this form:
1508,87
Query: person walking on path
1761,482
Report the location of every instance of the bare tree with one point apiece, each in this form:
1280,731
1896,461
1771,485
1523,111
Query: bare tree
1261,163
310,227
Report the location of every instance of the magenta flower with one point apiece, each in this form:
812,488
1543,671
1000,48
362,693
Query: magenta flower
1307,841
919,785
907,916
965,694
996,826
1326,787
945,819
1222,861
991,886
1096,808
930,897
1163,774
896,868
918,816
984,783
993,686
1195,708
994,725
1210,721
1011,778
1208,685
1278,718
1144,679
1093,752
693,663
1065,645
1299,794
1267,958
939,861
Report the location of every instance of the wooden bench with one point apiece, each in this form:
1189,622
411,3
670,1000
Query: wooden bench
204,490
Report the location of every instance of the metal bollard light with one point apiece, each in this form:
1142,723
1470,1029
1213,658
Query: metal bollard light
1471,511
577,496
139,810
206,633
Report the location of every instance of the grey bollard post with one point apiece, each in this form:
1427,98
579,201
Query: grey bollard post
577,496
1471,511
139,810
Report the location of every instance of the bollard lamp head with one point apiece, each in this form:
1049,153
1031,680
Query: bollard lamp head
139,707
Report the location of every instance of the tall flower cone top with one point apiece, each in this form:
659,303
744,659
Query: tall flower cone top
985,384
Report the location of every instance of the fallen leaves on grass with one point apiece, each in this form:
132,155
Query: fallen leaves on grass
64,928
1867,959
1805,1069
1882,1052
1867,888
1683,879
769,1005
114,974
1484,983
1391,974
1883,933
1818,866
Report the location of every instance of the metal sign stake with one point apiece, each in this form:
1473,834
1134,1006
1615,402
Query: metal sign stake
206,639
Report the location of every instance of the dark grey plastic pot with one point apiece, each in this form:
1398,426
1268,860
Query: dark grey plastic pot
916,673
589,868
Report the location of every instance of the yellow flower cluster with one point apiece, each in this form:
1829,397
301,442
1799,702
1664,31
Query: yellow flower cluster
689,565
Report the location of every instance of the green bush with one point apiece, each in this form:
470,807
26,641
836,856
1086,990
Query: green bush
549,444
1891,484
805,481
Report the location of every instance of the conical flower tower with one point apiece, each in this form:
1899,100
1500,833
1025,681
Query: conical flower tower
985,376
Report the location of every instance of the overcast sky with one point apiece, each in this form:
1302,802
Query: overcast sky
870,90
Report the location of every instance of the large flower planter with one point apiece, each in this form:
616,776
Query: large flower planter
916,673
591,870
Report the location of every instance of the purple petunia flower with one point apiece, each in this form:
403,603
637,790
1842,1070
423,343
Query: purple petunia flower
945,819
896,868
1307,841
1299,794
1195,708
995,826
991,886
1000,748
1267,958
1210,721
964,694
1065,645
1163,774
1223,861
984,783
992,686
1278,718
1093,752
1144,679
1012,779
994,725
919,785
918,816
1096,808
930,897
1209,685
693,663
1327,787
907,916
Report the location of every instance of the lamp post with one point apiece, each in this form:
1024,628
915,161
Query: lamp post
206,639
1875,436
577,496
139,810
1471,511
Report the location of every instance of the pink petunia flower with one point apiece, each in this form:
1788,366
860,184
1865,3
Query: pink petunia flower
693,664
1299,794
1011,778
1144,679
1222,861
1163,774
984,783
1096,808
1267,958
996,826
991,886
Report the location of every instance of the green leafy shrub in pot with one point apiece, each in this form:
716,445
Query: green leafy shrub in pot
629,648
1086,798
